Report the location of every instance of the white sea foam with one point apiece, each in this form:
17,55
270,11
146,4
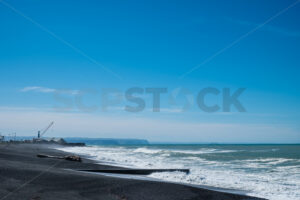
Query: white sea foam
267,177
202,151
147,151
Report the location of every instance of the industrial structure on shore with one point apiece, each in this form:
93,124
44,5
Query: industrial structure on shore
39,139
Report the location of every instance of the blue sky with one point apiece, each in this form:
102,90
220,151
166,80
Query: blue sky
90,45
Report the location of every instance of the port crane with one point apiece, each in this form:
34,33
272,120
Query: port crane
42,132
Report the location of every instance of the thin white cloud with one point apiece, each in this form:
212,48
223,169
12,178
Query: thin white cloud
38,89
267,27
48,90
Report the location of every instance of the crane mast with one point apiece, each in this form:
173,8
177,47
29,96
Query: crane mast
41,133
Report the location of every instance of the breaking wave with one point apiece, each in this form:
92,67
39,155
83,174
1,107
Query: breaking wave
272,173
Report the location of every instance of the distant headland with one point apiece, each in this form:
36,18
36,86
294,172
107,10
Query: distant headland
74,141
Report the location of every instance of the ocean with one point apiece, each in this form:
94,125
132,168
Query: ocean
268,171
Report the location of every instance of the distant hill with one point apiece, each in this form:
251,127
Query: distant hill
107,141
90,141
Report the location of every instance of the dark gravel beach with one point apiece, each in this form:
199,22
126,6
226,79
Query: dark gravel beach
25,176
